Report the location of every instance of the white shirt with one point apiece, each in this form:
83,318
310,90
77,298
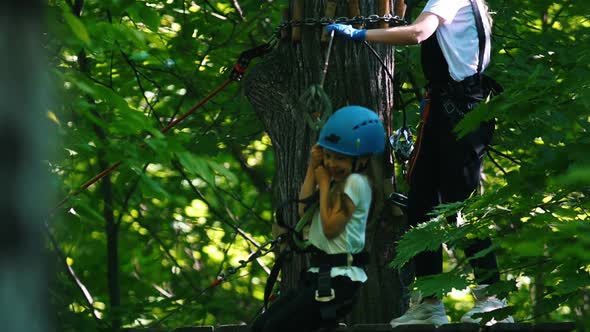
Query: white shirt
457,35
352,239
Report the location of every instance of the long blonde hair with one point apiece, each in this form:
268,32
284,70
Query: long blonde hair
486,9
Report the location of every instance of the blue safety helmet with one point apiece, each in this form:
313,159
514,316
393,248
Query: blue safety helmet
354,131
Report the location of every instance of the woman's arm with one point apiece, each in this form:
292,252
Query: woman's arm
412,34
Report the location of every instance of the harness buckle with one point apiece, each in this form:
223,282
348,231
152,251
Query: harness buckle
349,259
327,298
449,106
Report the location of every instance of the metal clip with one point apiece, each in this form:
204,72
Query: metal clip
325,298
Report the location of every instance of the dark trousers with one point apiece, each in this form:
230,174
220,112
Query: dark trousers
447,170
298,311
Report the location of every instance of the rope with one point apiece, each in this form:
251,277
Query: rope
314,103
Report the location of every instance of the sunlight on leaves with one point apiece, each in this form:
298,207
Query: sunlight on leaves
214,253
198,208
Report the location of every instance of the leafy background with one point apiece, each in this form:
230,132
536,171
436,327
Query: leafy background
190,204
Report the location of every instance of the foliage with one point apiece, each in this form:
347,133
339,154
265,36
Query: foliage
122,70
189,204
536,199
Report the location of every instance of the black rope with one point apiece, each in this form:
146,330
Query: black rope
391,77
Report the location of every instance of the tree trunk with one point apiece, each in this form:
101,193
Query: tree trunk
354,77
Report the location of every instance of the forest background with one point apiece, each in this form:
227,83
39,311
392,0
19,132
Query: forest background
144,246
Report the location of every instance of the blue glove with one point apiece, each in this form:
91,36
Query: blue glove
347,30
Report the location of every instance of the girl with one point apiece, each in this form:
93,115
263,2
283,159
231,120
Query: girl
455,40
327,289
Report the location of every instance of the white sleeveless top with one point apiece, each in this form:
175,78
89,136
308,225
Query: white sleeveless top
352,239
457,35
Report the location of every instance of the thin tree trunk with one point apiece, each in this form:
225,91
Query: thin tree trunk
354,77
111,226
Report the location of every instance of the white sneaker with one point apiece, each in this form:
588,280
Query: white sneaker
483,304
423,313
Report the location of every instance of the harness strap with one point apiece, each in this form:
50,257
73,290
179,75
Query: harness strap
480,33
344,259
324,291
325,262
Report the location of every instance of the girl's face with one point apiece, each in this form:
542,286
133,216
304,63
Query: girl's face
339,165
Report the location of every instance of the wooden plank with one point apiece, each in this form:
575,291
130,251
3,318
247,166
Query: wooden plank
384,10
354,10
193,329
455,327
370,328
458,327
415,328
232,328
297,15
509,327
554,327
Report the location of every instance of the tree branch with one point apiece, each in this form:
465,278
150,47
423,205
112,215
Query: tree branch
72,275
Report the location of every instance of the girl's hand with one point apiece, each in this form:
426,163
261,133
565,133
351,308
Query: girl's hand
322,176
317,157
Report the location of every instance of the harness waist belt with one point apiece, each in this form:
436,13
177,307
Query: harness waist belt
345,259
469,85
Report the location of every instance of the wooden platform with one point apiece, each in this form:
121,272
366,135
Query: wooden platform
463,327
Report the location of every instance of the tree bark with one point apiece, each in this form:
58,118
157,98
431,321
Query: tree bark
354,77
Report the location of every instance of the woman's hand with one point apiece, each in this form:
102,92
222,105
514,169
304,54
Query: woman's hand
347,31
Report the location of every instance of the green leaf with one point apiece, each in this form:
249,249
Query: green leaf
231,177
426,236
77,27
497,314
502,288
197,166
151,188
440,284
578,175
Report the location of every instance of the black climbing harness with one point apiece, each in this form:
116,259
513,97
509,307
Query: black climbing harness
297,244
